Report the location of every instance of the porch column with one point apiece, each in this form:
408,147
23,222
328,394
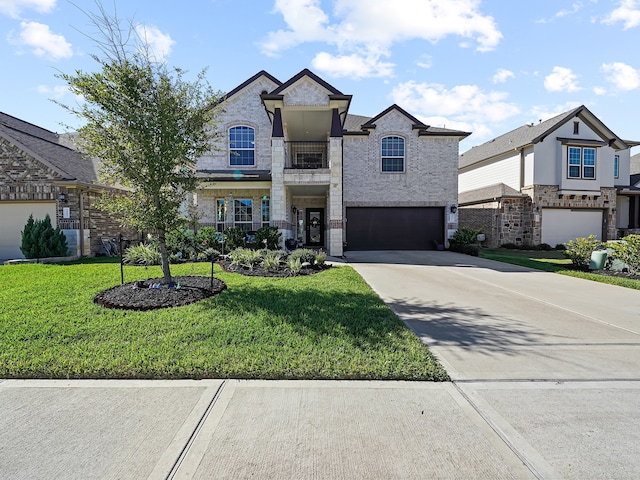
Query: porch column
278,201
334,217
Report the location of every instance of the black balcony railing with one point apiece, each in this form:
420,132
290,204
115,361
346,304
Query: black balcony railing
306,155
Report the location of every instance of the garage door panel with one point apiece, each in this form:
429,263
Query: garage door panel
394,228
562,225
13,218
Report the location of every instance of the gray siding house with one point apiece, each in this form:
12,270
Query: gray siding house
563,178
291,155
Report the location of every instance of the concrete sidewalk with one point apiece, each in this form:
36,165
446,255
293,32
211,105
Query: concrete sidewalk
246,429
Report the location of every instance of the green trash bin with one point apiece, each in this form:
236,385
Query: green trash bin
598,260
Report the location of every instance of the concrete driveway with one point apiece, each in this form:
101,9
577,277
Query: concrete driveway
552,363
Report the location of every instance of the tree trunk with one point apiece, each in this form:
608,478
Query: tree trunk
164,257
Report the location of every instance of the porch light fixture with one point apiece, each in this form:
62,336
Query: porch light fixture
453,209
63,198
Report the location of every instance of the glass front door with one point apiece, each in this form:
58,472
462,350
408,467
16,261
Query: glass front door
315,227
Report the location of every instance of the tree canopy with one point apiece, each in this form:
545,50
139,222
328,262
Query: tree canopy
147,124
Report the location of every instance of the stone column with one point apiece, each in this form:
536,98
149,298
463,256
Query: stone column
334,218
278,201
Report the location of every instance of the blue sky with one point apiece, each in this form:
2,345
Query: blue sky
481,66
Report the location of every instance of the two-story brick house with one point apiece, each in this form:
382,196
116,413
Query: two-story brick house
550,182
291,155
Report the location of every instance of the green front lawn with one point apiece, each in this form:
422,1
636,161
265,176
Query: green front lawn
329,325
553,261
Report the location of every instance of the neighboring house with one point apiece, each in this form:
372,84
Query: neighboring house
40,174
563,178
291,155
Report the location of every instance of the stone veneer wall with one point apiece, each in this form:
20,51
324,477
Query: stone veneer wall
546,196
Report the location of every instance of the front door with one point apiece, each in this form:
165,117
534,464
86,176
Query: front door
315,227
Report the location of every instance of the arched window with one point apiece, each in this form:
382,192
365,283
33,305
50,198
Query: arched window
242,146
393,154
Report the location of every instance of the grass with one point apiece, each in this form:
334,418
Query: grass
330,325
554,261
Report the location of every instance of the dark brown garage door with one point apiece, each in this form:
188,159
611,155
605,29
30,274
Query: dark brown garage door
394,228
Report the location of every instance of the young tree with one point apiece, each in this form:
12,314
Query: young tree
146,123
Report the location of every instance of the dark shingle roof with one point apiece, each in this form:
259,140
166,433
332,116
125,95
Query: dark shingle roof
488,193
353,123
512,140
45,147
530,134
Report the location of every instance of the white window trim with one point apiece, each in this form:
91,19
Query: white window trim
404,157
229,149
582,165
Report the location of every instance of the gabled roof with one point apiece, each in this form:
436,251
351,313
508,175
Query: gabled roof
306,73
417,124
249,81
45,147
531,134
356,124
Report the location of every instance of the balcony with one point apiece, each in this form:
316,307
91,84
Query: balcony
306,155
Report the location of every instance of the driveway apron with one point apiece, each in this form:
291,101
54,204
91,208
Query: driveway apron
551,362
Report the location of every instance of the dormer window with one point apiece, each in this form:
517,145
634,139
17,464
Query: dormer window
242,146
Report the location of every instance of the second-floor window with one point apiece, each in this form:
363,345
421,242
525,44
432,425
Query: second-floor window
393,154
616,166
582,162
242,146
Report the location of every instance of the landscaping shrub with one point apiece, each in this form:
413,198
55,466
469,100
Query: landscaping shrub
142,255
579,250
41,240
560,247
321,258
627,251
472,250
207,237
544,247
245,257
510,246
463,237
234,238
271,235
305,255
294,264
271,259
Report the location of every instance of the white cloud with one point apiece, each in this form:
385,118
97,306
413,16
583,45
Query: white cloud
462,103
13,8
159,43
599,91
353,66
502,75
56,92
42,41
561,80
623,76
425,61
372,27
628,12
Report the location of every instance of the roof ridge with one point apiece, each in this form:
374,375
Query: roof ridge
40,138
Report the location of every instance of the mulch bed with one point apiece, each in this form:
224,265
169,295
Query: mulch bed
126,297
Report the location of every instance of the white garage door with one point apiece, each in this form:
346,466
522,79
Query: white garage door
13,218
562,225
